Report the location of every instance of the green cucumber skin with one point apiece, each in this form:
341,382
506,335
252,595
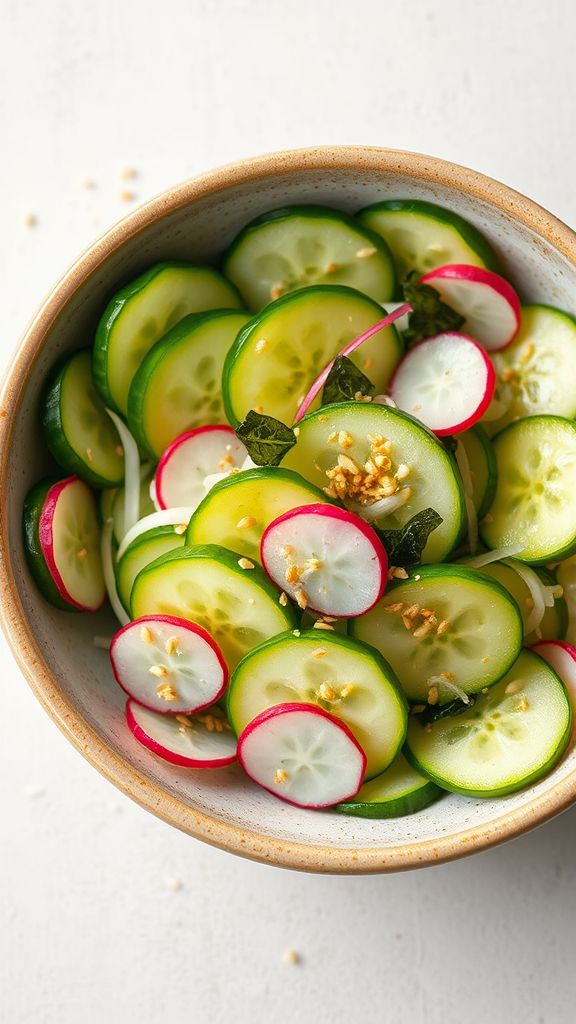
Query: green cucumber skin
55,434
139,542
473,238
113,310
398,807
152,359
230,560
280,303
33,504
488,450
312,212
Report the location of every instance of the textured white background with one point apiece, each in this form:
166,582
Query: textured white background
91,929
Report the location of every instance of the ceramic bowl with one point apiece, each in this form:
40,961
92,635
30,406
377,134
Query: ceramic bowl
72,678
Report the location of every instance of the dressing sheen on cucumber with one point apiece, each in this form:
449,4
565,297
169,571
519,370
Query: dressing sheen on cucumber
400,790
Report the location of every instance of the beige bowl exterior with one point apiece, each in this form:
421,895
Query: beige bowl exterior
71,677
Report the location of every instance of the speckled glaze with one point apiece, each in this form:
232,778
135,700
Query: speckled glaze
73,679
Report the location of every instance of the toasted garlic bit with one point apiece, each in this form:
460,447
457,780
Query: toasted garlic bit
259,409
442,627
245,523
146,634
423,630
81,554
226,462
369,483
277,290
180,528
326,692
214,723
417,709
245,563
90,455
296,431
286,551
330,268
345,440
320,652
528,351
260,345
292,574
319,624
312,565
397,573
508,374
522,704
347,690
184,721
368,363
302,599
359,397
514,686
391,609
290,956
280,776
172,645
283,599
166,692
433,695
485,660
158,670
364,253
119,451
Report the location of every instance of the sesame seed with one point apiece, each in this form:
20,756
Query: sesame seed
330,268
433,695
286,551
146,634
347,690
172,645
290,956
283,599
442,627
397,573
322,418
417,407
29,220
126,195
180,528
364,253
119,451
368,363
423,630
523,704
128,174
320,652
326,691
292,574
166,692
402,472
529,602
245,523
81,554
296,431
158,670
277,290
90,455
296,632
345,440
88,183
418,577
280,776
416,709
529,350
392,608
174,884
245,563
260,345
259,409
514,686
485,660
302,599
323,625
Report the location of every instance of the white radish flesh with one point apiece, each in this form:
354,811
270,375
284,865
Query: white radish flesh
204,740
562,658
168,664
447,382
190,459
69,538
326,559
303,755
488,303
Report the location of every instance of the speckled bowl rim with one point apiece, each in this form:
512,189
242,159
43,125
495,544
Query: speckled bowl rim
20,634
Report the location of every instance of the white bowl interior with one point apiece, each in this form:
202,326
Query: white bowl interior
200,232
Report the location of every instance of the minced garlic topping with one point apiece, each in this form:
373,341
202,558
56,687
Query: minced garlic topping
367,483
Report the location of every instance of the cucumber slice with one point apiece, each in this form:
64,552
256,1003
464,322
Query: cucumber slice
141,312
238,606
141,552
346,678
177,386
422,236
554,623
433,479
468,637
534,501
482,463
77,428
306,245
400,790
236,511
146,505
279,354
531,374
62,544
510,737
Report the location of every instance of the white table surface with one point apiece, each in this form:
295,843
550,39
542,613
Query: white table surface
93,925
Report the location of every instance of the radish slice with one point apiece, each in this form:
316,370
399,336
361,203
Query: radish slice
447,382
199,741
562,658
190,458
488,303
327,559
320,381
69,539
168,664
303,755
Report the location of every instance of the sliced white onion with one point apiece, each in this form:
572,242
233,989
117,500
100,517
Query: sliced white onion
442,683
472,519
382,507
384,400
109,575
212,479
494,556
542,596
165,517
131,472
248,464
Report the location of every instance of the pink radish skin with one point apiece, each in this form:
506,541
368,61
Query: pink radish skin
354,564
46,539
409,377
320,381
562,658
135,711
183,466
268,729
128,645
463,287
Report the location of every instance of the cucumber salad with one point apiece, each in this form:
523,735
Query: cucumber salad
328,491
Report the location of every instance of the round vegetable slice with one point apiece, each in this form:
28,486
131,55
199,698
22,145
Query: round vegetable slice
562,658
141,312
447,382
346,678
204,740
325,558
402,468
302,755
77,428
177,385
400,790
226,594
236,511
168,664
143,550
146,505
534,502
192,457
510,737
422,235
62,544
446,630
550,620
482,465
306,245
278,355
531,373
488,303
